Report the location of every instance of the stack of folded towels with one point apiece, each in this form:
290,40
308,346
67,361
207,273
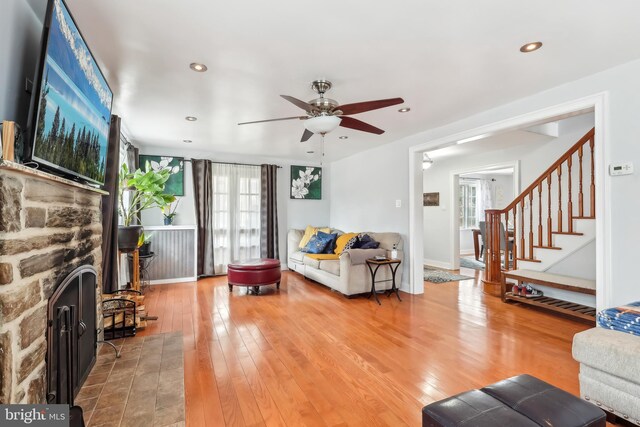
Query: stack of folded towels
625,318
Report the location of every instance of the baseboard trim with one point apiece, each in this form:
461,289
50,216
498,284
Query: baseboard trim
438,264
170,281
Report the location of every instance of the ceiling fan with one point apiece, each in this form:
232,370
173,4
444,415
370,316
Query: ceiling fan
324,114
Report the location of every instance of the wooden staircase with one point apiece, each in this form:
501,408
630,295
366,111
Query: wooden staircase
548,208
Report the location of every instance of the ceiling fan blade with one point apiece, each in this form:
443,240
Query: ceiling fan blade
306,135
275,120
351,123
361,107
295,101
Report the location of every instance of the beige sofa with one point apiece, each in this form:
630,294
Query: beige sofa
610,371
349,275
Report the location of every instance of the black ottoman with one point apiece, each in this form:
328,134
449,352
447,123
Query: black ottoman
519,401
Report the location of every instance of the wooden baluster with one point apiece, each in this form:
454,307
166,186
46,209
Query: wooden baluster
592,211
522,246
570,203
580,193
531,225
549,232
515,239
506,236
559,198
540,242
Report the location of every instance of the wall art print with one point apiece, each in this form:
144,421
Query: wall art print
175,184
306,182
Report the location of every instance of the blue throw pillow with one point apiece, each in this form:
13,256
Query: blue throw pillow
318,243
331,245
366,242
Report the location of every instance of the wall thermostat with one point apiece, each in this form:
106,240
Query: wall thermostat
616,169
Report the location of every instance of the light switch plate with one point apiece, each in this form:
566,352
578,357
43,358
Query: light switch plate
398,203
616,169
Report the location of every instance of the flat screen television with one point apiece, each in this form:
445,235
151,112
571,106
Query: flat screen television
71,103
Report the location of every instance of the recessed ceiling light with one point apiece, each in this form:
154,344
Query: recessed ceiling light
310,152
530,47
404,110
343,137
200,68
191,118
188,141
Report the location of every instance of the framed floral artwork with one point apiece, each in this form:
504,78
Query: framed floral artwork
306,182
175,183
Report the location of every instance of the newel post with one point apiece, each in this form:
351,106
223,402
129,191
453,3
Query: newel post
493,271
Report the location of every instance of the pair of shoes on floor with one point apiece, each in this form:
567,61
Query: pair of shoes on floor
527,291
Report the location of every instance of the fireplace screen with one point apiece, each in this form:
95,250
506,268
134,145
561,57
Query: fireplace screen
78,292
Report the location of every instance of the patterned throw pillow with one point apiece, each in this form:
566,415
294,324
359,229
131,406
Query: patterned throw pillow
345,241
318,243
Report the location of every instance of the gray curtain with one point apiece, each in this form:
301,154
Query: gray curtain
269,212
110,210
133,164
203,193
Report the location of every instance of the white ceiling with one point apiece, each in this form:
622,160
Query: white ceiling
447,59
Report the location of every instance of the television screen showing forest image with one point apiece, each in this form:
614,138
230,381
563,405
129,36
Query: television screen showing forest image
74,104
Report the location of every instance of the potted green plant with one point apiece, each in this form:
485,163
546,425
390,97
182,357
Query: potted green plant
169,212
146,191
144,244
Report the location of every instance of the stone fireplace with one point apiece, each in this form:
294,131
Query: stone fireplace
49,226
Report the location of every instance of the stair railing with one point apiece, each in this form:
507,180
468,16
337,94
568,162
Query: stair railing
523,230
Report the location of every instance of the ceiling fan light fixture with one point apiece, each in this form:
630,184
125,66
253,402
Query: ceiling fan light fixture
322,124
191,118
530,47
427,161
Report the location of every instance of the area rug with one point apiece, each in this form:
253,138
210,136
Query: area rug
440,276
471,263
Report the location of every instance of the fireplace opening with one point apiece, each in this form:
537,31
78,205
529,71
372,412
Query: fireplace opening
77,292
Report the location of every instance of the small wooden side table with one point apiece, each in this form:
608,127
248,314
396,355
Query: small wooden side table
393,267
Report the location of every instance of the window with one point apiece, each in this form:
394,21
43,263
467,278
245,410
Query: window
236,214
469,197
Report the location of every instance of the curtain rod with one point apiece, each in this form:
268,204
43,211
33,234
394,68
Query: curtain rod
232,163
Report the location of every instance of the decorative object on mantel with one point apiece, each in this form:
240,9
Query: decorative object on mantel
11,142
306,182
175,165
169,212
431,199
146,191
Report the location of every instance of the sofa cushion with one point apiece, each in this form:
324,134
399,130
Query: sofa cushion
297,256
322,257
330,266
310,232
610,351
311,262
345,241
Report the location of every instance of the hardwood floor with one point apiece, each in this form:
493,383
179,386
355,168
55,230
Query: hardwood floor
308,356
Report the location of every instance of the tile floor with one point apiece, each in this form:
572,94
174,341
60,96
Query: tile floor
144,387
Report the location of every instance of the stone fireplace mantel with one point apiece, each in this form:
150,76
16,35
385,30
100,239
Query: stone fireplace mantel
48,227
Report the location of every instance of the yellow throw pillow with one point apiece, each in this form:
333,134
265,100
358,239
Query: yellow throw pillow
309,233
342,241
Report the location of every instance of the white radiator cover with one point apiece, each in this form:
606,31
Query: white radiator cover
174,247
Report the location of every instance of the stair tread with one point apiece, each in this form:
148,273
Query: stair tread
567,233
551,278
528,259
556,248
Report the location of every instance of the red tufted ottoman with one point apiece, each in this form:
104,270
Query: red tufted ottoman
254,273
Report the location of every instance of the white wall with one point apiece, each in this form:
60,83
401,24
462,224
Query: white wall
292,213
534,159
20,34
389,165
